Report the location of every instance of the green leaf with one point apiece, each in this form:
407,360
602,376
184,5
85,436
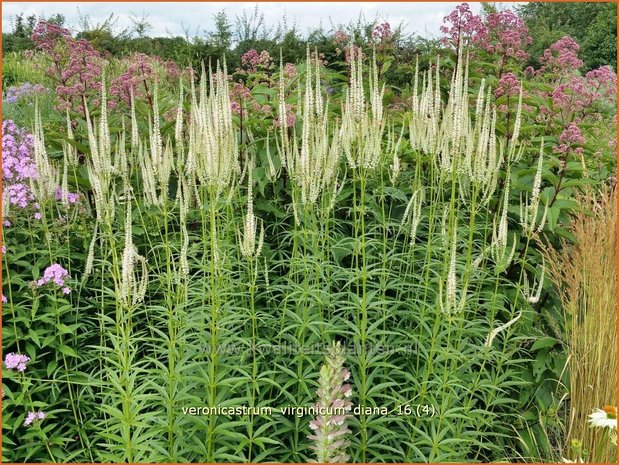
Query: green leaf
544,342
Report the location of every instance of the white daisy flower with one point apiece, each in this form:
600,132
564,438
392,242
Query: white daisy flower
605,417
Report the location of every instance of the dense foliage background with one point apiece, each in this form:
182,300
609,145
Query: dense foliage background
189,222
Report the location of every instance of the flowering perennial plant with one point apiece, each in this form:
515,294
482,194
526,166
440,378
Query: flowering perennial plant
330,429
76,66
313,160
363,122
213,143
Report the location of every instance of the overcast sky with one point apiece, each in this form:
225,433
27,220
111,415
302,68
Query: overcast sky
174,18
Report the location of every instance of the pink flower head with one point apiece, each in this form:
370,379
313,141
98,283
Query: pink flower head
291,117
333,409
141,71
290,71
33,417
570,137
382,32
562,57
75,64
15,361
251,60
508,85
340,38
505,34
72,197
46,35
461,26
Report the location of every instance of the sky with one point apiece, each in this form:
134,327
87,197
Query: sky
174,18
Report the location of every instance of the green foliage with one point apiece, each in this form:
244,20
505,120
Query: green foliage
592,24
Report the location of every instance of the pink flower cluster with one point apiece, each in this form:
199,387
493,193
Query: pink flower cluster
76,65
508,85
56,274
19,194
329,427
15,361
252,61
141,71
33,417
602,82
47,35
561,57
461,25
503,33
506,34
340,38
382,32
290,71
570,137
578,95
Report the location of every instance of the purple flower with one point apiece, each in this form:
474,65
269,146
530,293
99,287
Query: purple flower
33,417
16,93
56,274
17,148
15,361
72,197
4,299
19,195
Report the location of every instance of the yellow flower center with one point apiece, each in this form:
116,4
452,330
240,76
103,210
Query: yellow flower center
611,411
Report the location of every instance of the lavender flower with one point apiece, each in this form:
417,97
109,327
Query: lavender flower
72,197
33,417
329,427
56,274
17,147
16,93
15,361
